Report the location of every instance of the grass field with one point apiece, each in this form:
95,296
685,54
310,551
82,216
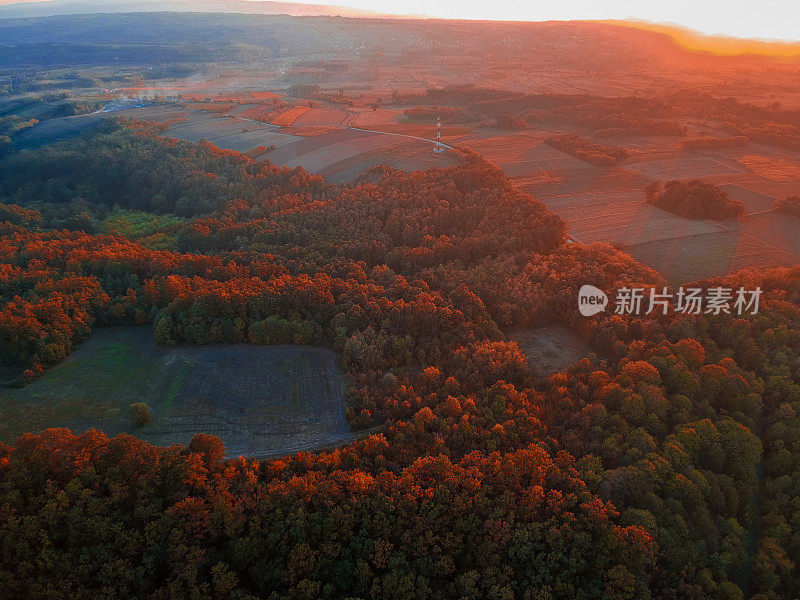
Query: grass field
260,400
56,130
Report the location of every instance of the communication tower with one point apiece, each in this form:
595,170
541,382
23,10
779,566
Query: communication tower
439,147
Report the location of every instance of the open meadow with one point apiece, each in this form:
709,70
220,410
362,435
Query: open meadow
260,400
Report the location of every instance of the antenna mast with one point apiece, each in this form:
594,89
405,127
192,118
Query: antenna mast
439,147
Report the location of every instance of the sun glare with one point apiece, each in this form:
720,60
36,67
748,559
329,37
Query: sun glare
766,20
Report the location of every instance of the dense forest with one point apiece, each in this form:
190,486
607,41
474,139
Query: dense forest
667,469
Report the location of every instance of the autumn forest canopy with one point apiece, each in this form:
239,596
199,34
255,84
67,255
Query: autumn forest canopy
666,466
486,481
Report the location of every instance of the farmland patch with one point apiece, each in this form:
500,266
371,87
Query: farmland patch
260,400
753,201
682,167
624,221
776,229
685,259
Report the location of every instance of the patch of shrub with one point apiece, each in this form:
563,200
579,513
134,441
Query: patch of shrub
511,122
585,149
693,199
141,414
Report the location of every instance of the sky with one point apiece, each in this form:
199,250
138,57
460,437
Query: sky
764,19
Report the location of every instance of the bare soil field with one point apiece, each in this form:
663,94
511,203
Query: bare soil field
157,113
367,118
686,259
507,148
341,155
212,107
504,148
688,166
316,153
639,143
260,400
776,229
536,180
225,132
627,221
593,180
404,155
537,167
761,185
753,201
551,348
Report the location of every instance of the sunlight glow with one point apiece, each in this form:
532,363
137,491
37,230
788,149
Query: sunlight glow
766,19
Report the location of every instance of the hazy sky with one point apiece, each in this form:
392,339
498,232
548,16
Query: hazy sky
769,19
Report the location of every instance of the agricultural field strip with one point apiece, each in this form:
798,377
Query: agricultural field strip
790,224
579,234
319,159
739,240
279,127
315,446
614,219
414,137
389,154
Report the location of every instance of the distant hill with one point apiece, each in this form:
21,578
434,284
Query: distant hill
149,37
682,36
49,8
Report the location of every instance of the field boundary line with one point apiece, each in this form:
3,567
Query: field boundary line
405,135
319,447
